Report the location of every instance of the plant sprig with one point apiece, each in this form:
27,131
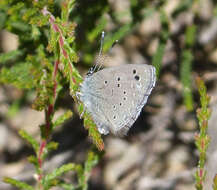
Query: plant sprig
202,139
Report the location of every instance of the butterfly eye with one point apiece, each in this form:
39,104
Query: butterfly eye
119,79
105,81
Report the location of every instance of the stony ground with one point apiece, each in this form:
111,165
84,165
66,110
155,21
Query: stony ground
159,151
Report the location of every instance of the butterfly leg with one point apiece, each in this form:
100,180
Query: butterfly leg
78,95
82,113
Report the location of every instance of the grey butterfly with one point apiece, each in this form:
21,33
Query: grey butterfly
115,96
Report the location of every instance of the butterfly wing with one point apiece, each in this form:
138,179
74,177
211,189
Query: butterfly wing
116,95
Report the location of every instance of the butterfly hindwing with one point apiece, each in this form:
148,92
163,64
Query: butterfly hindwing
115,96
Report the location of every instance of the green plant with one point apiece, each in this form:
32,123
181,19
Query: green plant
186,66
164,35
46,70
202,139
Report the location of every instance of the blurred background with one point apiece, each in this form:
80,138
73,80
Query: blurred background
179,37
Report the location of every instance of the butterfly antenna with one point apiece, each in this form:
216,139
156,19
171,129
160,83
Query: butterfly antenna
101,43
99,57
114,43
104,57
